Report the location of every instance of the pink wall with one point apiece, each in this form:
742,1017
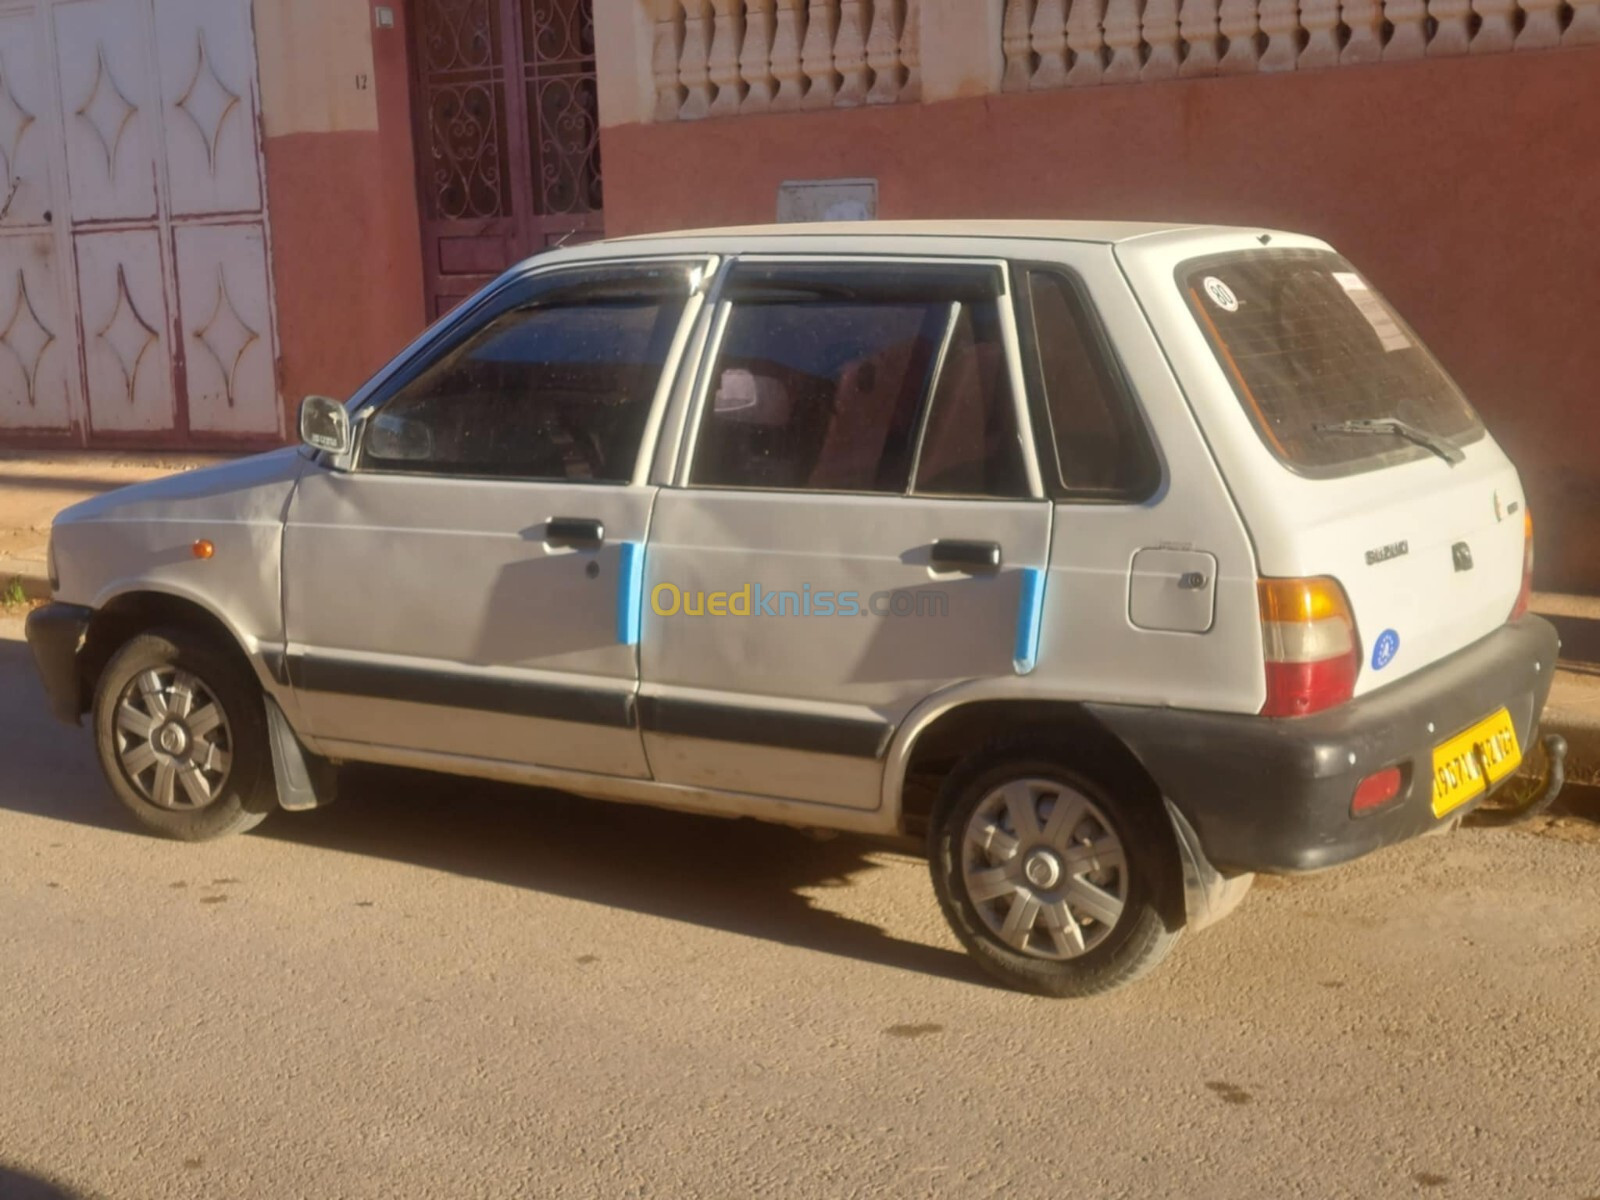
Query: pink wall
346,241
1468,189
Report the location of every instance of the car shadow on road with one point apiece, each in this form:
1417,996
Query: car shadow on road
739,876
18,1185
743,877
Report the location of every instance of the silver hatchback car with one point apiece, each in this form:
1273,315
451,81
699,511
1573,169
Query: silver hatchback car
1118,561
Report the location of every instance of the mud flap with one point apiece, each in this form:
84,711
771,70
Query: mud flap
1208,895
304,781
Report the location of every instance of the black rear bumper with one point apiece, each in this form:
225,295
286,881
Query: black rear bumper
1274,795
54,634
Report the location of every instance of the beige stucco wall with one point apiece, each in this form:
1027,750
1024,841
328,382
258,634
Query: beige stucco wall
316,66
623,41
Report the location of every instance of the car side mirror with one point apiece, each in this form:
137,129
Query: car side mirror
325,425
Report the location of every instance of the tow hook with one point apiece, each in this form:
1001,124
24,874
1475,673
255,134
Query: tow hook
1555,751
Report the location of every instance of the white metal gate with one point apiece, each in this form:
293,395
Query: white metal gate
135,292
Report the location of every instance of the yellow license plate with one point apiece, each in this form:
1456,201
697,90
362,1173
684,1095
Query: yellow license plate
1469,763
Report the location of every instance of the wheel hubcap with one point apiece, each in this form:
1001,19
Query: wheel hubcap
173,742
1045,868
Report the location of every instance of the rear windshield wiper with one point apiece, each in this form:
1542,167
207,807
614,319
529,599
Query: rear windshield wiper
1398,428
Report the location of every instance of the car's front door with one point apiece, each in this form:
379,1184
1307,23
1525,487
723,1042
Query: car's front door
457,591
859,524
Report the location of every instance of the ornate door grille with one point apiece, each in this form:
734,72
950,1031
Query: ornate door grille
508,135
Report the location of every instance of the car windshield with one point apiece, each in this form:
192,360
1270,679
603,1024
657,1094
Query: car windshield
1333,379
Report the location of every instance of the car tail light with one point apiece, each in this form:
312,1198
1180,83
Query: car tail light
1312,653
1376,790
1525,595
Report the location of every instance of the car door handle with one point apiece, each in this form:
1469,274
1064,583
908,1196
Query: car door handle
965,556
581,531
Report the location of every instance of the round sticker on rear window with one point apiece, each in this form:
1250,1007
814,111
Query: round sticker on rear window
1221,294
1384,649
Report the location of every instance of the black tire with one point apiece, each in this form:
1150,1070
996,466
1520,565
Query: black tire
245,794
1150,922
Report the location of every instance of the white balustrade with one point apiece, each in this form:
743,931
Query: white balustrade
1159,27
1016,41
1086,39
1124,39
850,53
1496,26
668,50
1451,32
1364,20
1197,22
694,69
726,72
1541,26
1048,36
1321,21
1240,21
911,52
816,54
720,58
1280,22
883,52
1408,36
755,57
1584,28
788,34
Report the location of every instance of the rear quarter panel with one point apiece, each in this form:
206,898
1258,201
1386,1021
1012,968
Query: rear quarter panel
1089,647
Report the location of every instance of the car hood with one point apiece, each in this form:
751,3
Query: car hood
246,490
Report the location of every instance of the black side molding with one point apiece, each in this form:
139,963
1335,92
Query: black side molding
457,689
847,736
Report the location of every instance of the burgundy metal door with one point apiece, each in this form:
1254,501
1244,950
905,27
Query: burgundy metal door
508,135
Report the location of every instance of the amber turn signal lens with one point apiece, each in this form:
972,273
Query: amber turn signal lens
202,549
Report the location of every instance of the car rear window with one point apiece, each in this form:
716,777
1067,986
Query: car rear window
1308,343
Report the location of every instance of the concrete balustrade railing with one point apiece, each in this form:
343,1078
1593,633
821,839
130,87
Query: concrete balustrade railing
714,58
1067,43
718,58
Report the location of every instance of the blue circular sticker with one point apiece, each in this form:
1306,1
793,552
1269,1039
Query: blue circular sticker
1384,649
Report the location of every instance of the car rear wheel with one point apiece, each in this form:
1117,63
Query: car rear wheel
182,737
1051,882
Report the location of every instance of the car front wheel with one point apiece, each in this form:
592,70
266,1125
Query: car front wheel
182,736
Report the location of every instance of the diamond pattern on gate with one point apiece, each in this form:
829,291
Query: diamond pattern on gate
27,338
226,336
128,334
14,123
108,110
207,102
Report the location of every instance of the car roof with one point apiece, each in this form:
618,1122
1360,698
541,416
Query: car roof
939,238
1106,232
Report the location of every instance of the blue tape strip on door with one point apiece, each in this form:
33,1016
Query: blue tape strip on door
1030,616
630,594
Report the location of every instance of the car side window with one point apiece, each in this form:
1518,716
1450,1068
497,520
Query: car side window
823,374
1101,449
556,383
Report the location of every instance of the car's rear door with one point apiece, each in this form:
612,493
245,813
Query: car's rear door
857,523
458,592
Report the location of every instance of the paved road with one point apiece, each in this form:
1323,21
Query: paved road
449,990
